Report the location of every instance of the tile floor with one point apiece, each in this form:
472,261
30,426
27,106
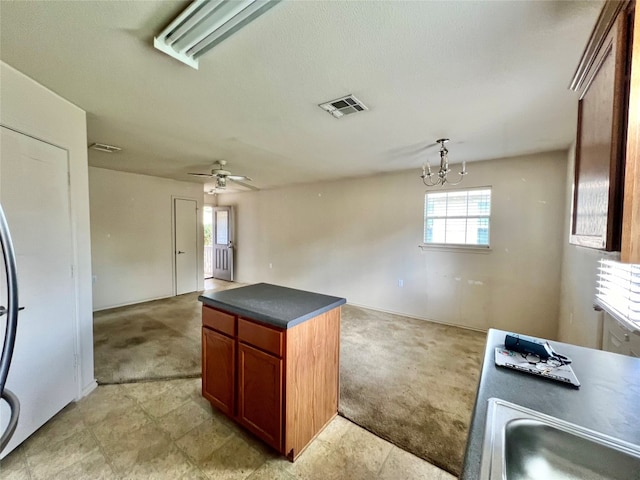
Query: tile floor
166,430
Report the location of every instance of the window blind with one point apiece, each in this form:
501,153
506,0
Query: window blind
618,291
458,217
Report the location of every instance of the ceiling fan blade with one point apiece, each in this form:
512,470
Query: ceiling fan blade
208,175
411,150
236,178
246,185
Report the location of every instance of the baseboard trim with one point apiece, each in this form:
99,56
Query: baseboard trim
88,389
136,302
153,379
404,314
393,312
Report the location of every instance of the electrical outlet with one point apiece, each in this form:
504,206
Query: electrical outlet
400,283
271,265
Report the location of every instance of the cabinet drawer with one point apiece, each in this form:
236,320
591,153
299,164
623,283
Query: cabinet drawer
221,321
266,338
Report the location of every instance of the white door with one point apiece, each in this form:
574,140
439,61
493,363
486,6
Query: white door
223,243
186,243
207,223
34,192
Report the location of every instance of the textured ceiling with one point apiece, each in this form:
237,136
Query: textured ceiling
490,75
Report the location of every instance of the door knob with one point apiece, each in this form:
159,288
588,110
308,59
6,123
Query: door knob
179,252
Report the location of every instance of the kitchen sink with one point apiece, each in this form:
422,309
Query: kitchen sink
522,444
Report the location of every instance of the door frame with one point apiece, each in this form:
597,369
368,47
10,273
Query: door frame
199,243
77,345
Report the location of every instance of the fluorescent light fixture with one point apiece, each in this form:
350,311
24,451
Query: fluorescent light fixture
206,23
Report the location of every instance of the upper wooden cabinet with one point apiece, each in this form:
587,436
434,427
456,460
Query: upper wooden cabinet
630,251
603,80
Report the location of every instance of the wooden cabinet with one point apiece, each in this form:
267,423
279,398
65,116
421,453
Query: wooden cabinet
220,321
630,250
280,384
218,370
260,394
606,192
252,376
597,200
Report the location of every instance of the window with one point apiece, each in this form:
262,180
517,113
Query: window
617,291
458,217
222,227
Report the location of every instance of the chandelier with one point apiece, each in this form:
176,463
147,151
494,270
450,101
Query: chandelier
431,179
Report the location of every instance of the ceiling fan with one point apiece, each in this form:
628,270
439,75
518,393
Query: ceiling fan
221,175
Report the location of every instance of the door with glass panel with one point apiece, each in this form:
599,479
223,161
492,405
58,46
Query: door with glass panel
223,243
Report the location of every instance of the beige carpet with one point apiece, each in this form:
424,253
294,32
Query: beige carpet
400,379
155,340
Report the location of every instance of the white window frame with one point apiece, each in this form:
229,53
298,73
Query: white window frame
615,291
457,246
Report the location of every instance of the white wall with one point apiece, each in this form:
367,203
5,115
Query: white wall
30,108
131,236
356,238
578,322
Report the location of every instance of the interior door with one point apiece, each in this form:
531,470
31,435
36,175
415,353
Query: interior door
186,245
223,243
34,191
207,223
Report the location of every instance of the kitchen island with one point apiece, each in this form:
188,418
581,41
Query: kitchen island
606,402
270,361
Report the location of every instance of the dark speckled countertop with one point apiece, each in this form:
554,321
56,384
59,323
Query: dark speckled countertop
271,304
608,400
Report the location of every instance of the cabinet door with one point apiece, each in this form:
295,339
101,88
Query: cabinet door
599,147
630,249
218,370
615,338
260,394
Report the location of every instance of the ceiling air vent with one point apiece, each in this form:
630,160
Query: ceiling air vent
103,147
343,106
